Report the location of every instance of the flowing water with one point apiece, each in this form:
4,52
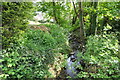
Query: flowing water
70,68
72,58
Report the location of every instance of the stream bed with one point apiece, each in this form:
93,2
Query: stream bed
72,60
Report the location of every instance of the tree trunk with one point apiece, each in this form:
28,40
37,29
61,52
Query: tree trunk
81,27
93,18
74,17
54,12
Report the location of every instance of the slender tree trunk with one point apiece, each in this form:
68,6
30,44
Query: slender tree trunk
54,12
81,26
74,17
93,18
75,8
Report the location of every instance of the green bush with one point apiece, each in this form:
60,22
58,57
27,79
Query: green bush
101,57
15,16
37,49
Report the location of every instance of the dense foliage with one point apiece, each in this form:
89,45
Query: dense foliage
31,58
101,57
58,11
15,17
40,51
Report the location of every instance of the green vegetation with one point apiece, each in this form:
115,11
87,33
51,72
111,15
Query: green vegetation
101,56
40,51
37,50
15,17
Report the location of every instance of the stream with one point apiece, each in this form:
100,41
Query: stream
72,60
70,68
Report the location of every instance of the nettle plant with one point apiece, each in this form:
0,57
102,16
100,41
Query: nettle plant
101,57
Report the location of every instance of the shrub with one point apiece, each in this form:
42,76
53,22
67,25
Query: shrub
15,16
101,57
37,50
